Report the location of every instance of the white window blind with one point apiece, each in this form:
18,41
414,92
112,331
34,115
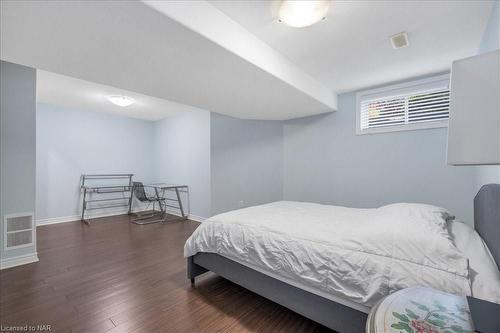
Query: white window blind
413,105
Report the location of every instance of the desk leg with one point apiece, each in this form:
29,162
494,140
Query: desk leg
130,200
180,202
84,205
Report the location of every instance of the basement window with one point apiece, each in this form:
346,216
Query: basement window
418,104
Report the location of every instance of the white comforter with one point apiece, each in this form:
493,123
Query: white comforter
358,254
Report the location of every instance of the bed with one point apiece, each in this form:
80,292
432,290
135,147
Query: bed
331,264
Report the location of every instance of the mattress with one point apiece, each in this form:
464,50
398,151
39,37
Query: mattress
485,280
351,256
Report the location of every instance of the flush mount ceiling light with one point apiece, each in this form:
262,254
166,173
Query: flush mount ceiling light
299,14
121,100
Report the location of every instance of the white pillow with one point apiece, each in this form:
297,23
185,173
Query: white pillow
434,217
483,270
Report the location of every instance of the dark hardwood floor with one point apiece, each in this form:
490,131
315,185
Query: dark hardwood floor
114,276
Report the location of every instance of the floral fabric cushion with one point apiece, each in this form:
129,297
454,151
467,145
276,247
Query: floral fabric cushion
420,310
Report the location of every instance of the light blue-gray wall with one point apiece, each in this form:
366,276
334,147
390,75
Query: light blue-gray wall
490,42
227,162
73,142
17,146
182,156
246,162
491,36
326,162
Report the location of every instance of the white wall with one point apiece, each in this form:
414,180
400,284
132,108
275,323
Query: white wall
182,156
72,142
246,162
17,150
326,162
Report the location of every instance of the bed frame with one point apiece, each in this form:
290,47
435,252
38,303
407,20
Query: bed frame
336,316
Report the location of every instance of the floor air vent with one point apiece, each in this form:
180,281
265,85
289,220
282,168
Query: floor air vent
18,230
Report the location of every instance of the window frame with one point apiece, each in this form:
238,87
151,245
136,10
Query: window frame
399,89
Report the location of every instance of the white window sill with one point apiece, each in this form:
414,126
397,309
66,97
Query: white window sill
409,127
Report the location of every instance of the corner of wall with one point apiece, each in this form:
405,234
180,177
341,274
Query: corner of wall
247,162
17,147
490,41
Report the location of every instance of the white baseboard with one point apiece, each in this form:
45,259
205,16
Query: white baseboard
91,215
54,220
72,218
19,260
196,218
190,216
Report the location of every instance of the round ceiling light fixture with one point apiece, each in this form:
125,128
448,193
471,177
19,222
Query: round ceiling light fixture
299,14
121,100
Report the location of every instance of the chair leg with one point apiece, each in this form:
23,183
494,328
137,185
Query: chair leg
146,218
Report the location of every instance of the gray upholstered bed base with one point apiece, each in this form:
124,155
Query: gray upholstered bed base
336,316
487,218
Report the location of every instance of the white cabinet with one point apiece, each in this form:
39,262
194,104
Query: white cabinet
474,126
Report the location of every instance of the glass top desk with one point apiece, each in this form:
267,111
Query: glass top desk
173,203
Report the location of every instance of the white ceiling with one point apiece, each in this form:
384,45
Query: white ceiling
78,94
351,48
129,45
